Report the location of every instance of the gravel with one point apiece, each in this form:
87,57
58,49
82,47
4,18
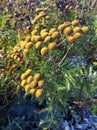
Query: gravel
27,115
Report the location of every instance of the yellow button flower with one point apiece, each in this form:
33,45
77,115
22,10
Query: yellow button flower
44,51
39,93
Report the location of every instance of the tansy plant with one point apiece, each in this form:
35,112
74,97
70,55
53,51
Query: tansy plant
40,64
44,52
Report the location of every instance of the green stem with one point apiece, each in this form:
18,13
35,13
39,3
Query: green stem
65,56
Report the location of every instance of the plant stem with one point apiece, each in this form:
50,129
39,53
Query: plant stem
61,42
64,57
87,102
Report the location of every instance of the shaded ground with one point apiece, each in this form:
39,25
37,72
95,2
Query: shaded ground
26,115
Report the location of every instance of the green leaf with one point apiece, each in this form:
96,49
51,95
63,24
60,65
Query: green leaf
95,63
67,85
3,21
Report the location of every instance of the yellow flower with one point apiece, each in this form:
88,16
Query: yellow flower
37,38
85,29
71,7
52,46
33,21
44,51
47,39
42,13
25,52
23,76
12,56
15,57
70,39
36,26
27,39
37,18
52,31
38,44
61,27
27,87
44,34
29,79
43,30
47,17
38,9
39,93
28,72
76,29
77,35
77,6
66,24
23,83
41,9
32,90
33,38
33,84
18,59
41,83
37,76
55,34
75,22
68,30
28,45
34,32
22,43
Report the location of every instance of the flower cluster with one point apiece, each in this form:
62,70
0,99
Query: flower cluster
40,14
16,55
42,41
11,66
75,31
68,5
32,84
